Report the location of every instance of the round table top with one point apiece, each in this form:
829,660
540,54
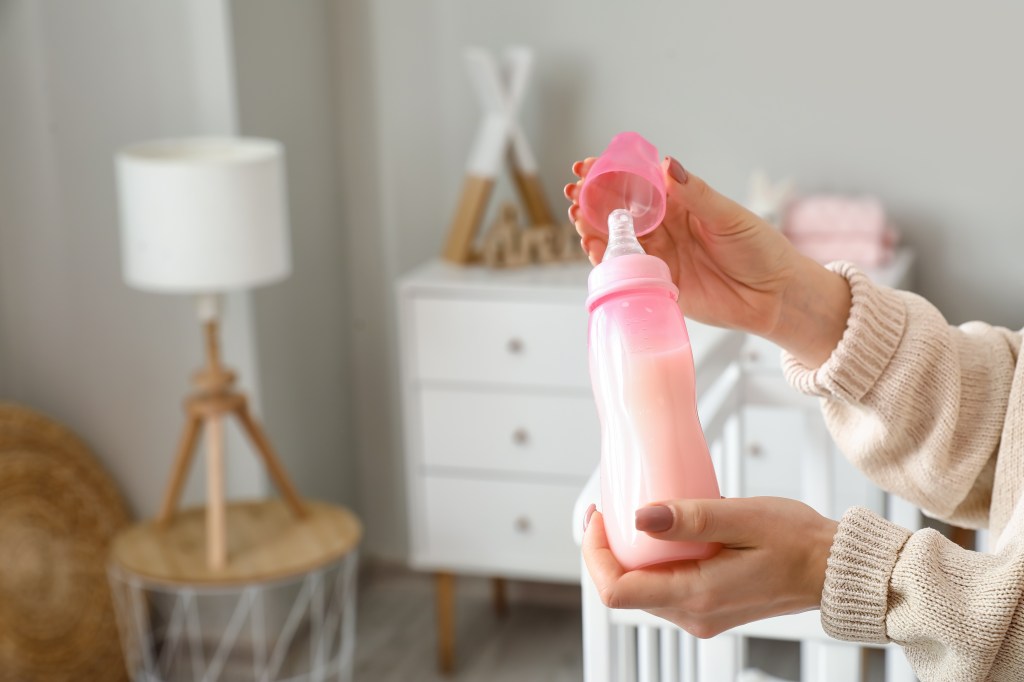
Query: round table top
265,541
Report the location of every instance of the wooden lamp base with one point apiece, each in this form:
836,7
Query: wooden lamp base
213,399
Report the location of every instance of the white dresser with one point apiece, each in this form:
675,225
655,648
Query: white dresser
500,426
499,422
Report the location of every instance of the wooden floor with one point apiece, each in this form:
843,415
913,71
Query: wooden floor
539,640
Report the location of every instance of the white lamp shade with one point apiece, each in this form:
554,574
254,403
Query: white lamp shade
203,215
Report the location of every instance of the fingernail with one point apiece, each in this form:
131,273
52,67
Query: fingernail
676,170
572,213
567,190
586,517
654,519
577,168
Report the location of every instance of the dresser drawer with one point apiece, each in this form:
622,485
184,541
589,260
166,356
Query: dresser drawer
510,431
499,528
500,342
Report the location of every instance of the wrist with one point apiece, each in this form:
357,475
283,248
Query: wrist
813,313
817,564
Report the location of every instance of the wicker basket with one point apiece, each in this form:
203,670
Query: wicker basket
58,512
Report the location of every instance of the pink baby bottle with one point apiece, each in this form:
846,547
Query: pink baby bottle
641,369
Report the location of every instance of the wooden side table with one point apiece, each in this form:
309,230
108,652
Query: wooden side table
283,607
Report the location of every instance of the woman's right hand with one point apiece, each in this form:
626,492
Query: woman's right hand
733,269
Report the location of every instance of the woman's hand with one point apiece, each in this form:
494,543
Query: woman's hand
772,562
733,269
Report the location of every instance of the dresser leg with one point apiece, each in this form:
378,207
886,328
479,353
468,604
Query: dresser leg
445,592
499,597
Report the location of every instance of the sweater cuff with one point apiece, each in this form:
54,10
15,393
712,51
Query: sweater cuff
873,332
855,599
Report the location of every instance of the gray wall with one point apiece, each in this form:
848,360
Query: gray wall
914,101
284,66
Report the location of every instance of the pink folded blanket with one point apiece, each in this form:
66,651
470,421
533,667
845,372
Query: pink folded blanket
829,227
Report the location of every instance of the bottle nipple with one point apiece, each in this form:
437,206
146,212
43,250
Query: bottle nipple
622,239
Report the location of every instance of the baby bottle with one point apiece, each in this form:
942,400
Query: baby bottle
641,369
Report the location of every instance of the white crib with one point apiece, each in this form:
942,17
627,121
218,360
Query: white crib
633,646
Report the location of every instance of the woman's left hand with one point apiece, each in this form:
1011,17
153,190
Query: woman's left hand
772,562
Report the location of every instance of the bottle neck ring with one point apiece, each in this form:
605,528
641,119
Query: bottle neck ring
633,272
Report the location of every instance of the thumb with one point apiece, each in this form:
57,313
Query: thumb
689,194
728,521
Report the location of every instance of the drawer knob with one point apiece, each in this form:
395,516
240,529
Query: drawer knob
523,524
515,346
520,437
753,356
755,449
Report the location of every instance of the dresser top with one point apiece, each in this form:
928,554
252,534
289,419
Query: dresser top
568,281
553,282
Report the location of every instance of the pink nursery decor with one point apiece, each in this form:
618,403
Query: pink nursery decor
835,227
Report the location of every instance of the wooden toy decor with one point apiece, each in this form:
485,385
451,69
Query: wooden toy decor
507,244
500,141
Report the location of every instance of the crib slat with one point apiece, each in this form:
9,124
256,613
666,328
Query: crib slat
647,654
688,656
719,658
597,634
732,442
902,513
897,668
668,653
625,648
816,464
823,661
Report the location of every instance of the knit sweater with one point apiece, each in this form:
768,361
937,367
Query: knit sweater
935,414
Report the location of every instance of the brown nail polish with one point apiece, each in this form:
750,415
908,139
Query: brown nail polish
586,517
676,170
654,519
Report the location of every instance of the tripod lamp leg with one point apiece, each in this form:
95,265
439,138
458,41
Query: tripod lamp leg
216,520
182,461
263,447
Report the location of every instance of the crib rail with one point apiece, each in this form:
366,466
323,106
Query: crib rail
634,646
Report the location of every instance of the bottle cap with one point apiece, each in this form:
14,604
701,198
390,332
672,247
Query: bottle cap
627,175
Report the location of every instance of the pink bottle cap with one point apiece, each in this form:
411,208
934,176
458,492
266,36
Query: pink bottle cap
627,175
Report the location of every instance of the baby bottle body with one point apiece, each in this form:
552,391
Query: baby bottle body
652,445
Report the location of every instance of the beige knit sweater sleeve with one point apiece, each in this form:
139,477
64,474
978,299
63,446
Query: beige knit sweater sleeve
921,407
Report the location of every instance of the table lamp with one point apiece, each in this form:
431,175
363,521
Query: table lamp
205,216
